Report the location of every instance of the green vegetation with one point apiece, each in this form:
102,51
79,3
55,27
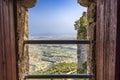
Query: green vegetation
45,56
80,26
53,59
61,68
84,68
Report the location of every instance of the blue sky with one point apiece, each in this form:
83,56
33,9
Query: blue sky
54,17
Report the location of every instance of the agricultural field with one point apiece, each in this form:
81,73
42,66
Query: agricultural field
53,58
45,56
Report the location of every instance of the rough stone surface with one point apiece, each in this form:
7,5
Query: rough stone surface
81,55
91,4
91,36
28,3
84,3
22,32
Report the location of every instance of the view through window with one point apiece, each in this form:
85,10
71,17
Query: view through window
57,20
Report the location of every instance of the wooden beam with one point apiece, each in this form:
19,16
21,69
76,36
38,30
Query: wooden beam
106,39
117,70
7,41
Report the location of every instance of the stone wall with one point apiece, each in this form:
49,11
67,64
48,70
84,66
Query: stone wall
91,5
22,34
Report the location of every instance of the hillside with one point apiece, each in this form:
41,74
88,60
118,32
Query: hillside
44,57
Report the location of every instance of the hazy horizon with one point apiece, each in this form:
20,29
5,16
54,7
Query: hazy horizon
54,17
61,34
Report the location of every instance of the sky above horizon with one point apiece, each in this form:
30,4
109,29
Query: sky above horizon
54,17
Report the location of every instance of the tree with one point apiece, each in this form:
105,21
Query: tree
81,27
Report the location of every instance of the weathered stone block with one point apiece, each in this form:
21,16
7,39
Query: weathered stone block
91,4
28,3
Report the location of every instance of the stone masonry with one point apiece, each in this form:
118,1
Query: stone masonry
22,34
91,5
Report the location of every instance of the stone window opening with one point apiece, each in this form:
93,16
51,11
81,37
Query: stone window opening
104,23
23,16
